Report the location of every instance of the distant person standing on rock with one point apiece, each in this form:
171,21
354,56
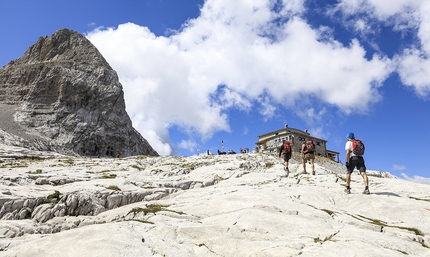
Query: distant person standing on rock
308,154
354,158
286,151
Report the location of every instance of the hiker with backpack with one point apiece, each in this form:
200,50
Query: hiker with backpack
354,158
285,149
308,154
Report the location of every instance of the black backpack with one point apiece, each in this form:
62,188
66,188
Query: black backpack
309,147
357,147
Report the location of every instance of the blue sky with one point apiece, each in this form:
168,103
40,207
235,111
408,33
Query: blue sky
196,73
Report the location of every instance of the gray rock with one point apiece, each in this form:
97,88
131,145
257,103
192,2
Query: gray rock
42,212
41,181
63,96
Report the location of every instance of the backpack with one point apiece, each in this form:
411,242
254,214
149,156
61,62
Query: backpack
287,147
309,147
357,147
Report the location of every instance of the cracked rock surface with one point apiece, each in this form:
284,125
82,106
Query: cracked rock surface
227,205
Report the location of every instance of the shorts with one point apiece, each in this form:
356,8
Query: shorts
286,157
356,161
309,157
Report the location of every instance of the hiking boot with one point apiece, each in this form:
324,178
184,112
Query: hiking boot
347,190
313,172
304,172
366,192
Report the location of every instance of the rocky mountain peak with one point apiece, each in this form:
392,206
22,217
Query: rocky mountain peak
63,96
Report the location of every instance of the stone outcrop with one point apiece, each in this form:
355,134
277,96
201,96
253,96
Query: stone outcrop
63,96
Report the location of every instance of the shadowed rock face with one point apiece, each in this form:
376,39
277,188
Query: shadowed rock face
63,96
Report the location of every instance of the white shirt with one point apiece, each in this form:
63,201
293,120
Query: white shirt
348,145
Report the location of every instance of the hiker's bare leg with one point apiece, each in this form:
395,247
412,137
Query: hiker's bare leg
365,179
348,179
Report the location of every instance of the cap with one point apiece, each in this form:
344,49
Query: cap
350,135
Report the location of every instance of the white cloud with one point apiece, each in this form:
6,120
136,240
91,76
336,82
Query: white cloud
399,167
267,109
416,179
318,132
229,98
312,116
190,145
245,131
405,16
381,9
414,71
172,81
414,63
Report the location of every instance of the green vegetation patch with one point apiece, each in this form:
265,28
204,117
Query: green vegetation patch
321,241
419,199
108,176
68,161
190,166
154,208
30,158
342,178
136,167
269,165
38,171
384,224
20,164
56,195
156,171
114,188
375,221
402,252
151,208
104,171
328,212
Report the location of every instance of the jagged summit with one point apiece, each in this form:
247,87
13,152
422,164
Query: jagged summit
63,45
63,96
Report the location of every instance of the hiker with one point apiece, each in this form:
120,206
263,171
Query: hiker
286,150
308,154
219,152
354,158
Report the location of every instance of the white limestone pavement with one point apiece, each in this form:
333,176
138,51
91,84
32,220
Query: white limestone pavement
251,211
